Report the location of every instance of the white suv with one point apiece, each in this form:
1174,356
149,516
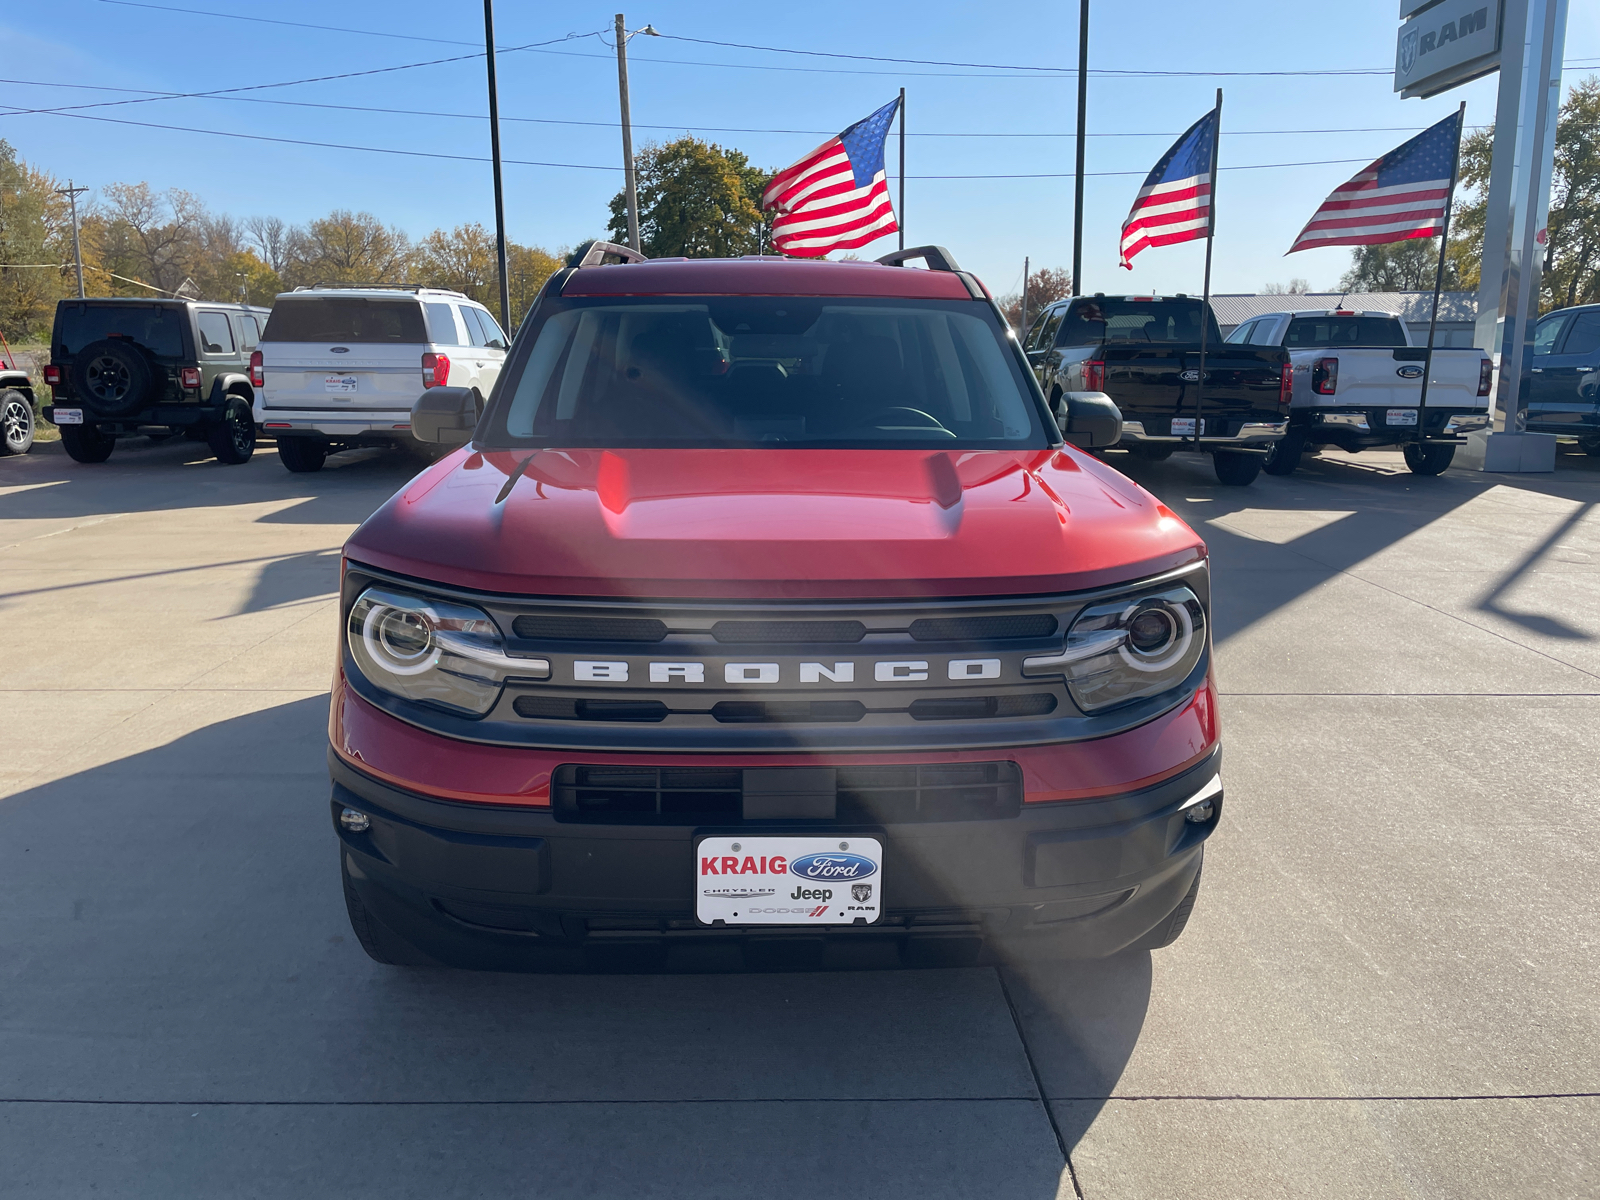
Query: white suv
341,367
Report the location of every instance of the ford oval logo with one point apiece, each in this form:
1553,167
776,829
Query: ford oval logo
1409,371
832,866
338,349
1192,376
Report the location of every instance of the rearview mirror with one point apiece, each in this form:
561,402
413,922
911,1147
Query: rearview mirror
445,415
1089,420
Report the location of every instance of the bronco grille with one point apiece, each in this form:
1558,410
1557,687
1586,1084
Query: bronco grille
983,629
788,631
590,629
866,795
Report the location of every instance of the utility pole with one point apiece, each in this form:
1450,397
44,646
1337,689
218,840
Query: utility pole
71,193
627,134
494,150
1083,110
1023,320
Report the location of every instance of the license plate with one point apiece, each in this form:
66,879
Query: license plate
1184,427
1400,416
788,880
339,383
68,416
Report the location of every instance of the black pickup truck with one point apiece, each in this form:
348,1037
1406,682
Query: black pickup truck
1144,352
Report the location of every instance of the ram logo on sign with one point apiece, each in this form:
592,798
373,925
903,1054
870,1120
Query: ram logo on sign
1447,44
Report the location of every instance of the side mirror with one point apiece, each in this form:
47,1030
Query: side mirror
445,415
1089,420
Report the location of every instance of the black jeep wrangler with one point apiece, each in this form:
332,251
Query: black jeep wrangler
155,367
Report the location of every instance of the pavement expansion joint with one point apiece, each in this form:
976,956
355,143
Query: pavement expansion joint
1038,1084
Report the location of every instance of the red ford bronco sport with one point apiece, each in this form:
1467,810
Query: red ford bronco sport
766,619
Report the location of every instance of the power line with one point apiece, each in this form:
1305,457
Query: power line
200,12
413,112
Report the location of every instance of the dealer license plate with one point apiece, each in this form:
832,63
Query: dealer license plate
1400,416
69,416
1184,427
339,383
788,880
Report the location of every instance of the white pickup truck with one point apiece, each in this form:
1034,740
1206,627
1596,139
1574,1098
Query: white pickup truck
1357,384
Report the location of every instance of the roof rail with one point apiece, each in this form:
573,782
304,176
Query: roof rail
394,287
595,255
937,258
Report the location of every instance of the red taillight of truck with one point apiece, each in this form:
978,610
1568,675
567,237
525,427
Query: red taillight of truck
1094,376
1286,384
1325,376
52,376
258,374
1485,376
435,370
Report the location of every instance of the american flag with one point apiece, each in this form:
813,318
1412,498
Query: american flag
1402,195
836,197
1174,205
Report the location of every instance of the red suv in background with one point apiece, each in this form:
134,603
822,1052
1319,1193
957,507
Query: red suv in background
768,620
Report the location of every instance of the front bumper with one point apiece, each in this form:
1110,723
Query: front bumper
1234,435
525,888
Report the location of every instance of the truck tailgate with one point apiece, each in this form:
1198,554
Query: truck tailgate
1153,382
1385,377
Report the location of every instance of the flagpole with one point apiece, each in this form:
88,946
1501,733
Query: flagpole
1205,302
1438,274
1077,184
902,214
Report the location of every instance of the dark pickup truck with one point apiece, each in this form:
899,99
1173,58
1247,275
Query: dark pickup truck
1144,352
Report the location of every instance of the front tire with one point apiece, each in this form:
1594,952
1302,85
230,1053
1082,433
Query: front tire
1235,469
16,422
1284,454
1164,934
86,444
381,945
1424,459
302,455
233,438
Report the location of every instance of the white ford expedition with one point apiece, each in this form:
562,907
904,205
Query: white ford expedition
341,367
1358,383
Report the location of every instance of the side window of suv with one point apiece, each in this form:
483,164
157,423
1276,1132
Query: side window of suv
469,316
491,329
249,332
216,335
442,325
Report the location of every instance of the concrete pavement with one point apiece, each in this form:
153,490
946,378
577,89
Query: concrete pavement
1385,989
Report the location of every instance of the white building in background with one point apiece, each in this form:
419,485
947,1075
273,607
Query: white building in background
1458,311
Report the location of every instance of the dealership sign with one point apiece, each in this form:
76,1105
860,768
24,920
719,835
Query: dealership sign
1446,44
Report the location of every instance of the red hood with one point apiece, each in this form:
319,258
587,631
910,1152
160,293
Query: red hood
774,523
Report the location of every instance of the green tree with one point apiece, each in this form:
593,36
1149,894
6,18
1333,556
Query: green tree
157,238
696,199
1407,266
348,248
30,234
528,267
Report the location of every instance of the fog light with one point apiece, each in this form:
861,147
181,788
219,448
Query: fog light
359,822
1199,813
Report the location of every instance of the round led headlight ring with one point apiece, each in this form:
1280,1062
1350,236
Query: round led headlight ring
1159,634
400,640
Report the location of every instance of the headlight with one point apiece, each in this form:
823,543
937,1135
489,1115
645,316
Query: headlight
1128,648
451,655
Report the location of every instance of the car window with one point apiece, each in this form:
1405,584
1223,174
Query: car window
1546,332
216,334
1241,335
1120,319
1051,327
442,329
494,336
1345,331
474,330
249,332
351,320
1584,336
159,330
1034,340
1262,335
768,371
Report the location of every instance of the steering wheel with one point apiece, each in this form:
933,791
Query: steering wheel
903,418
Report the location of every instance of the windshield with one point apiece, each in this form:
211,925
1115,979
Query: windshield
762,371
1113,319
159,330
1345,331
352,320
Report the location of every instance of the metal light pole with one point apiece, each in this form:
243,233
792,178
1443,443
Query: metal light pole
902,221
494,150
1083,118
1022,321
627,127
71,193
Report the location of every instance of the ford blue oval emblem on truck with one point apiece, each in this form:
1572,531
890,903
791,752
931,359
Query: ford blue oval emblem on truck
338,349
1409,371
832,866
1190,376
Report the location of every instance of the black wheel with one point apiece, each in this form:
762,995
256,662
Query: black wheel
1284,454
302,454
233,438
86,444
1236,469
1167,932
1590,446
112,376
16,422
1425,459
1151,451
381,945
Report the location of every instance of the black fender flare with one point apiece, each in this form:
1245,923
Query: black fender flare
20,381
232,383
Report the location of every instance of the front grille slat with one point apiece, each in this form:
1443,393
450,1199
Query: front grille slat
554,627
983,629
791,632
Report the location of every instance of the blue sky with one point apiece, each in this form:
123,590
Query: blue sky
989,223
